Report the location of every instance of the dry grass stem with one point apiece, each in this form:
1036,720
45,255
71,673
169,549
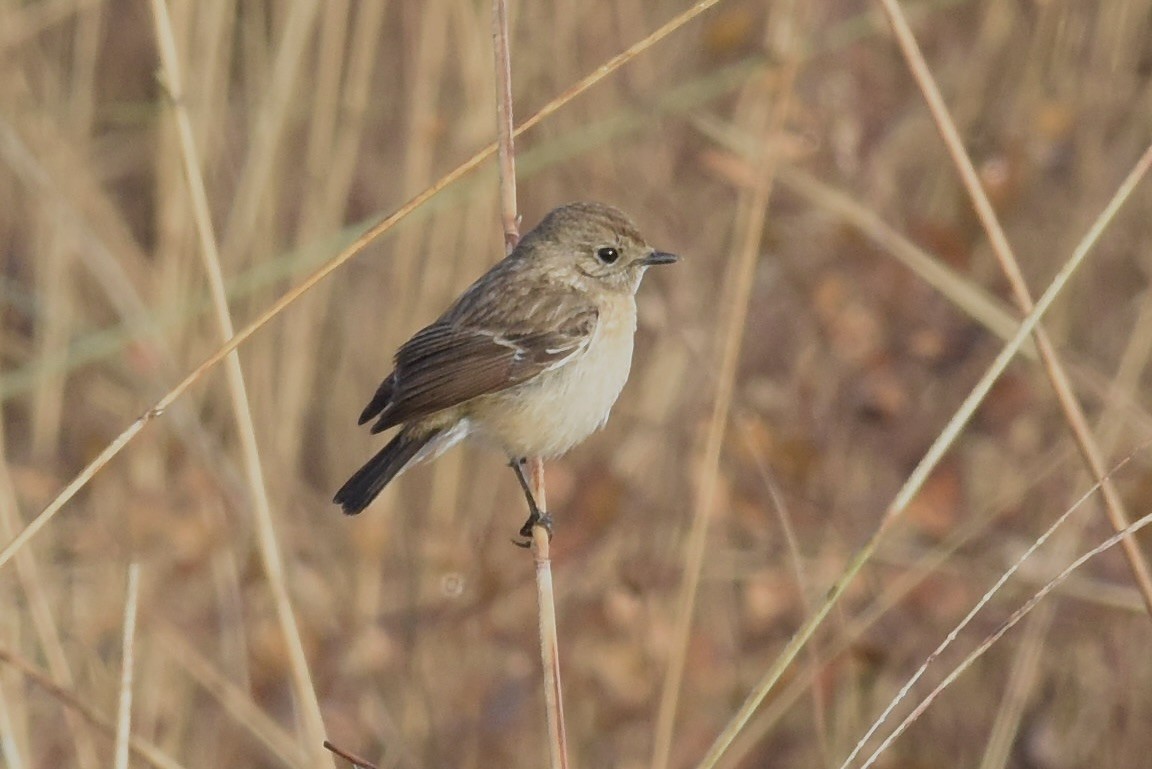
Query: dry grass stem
241,411
26,22
545,598
1008,624
913,578
1073,412
33,581
127,664
133,147
549,637
989,594
765,120
142,749
352,758
349,251
804,585
1027,663
268,132
506,160
980,305
77,483
235,701
929,461
964,413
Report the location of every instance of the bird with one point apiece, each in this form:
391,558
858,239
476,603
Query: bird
529,359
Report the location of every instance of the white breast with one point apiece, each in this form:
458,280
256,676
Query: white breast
552,413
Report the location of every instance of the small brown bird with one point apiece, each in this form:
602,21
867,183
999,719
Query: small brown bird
530,359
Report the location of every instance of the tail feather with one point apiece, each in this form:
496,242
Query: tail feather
367,482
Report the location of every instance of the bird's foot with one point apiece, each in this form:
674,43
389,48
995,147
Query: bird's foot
537,518
536,515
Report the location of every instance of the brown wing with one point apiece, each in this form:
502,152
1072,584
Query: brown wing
452,361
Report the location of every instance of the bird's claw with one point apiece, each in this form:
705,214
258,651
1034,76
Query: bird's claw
537,518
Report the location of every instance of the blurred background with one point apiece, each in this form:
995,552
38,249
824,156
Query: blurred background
417,619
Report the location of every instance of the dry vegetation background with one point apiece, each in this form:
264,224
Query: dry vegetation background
417,619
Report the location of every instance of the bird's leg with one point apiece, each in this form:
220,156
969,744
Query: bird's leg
535,514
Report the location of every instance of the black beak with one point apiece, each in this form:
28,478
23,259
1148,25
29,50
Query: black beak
659,257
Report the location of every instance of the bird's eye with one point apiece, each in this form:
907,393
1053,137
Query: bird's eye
607,254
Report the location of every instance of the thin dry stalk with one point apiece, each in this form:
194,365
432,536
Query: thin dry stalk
53,337
1025,666
337,126
141,749
294,377
34,584
127,664
1011,622
349,251
1026,663
978,303
234,700
982,307
912,578
28,21
980,604
1069,404
804,585
269,547
504,126
549,639
268,131
1023,671
546,601
10,749
767,124
352,758
927,464
944,441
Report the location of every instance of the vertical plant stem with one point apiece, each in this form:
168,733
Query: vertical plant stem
506,148
928,463
261,507
766,121
127,661
352,249
549,638
1069,404
1007,625
141,749
36,584
546,602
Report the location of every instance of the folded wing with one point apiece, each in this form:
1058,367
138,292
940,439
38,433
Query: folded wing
453,361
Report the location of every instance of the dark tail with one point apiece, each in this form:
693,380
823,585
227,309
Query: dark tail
367,483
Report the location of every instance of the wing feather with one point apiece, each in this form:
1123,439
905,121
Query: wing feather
455,359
